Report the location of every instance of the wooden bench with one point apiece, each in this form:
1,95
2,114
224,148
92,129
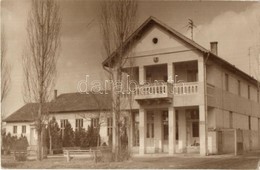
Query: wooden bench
93,153
18,153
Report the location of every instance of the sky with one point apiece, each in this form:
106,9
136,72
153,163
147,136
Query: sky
235,25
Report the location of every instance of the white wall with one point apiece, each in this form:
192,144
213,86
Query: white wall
9,129
86,116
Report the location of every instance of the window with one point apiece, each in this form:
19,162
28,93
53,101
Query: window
109,126
79,124
239,87
23,129
95,122
136,128
249,122
63,123
230,119
248,92
165,125
15,129
150,125
226,82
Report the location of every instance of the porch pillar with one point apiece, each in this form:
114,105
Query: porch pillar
182,131
141,74
172,130
202,131
170,72
130,131
142,130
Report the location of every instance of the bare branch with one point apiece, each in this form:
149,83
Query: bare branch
5,69
40,57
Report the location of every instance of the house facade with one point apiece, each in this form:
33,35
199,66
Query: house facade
80,110
187,100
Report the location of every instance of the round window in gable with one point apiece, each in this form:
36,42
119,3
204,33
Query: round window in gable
155,40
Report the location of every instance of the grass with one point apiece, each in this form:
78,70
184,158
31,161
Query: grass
180,162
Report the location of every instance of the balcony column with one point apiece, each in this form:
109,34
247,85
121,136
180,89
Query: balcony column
142,130
170,72
141,74
203,133
130,130
172,130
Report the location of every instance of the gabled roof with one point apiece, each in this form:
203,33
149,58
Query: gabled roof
27,113
67,102
151,21
75,102
144,27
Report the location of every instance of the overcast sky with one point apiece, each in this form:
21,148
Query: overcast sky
235,25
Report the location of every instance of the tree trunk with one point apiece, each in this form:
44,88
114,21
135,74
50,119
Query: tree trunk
39,146
50,137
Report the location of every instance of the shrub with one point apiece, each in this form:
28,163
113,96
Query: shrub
21,144
53,136
80,137
68,136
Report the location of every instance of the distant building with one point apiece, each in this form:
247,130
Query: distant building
80,110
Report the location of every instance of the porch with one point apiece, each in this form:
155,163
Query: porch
167,131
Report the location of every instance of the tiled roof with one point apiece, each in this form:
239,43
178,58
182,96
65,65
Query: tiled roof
71,102
27,113
67,102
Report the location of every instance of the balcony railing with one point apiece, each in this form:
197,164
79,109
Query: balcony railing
185,88
163,90
155,90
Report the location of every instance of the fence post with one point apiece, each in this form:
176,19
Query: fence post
68,155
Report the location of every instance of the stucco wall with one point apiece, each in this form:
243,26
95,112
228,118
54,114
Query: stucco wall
86,116
9,129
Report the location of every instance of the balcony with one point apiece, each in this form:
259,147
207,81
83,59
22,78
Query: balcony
164,92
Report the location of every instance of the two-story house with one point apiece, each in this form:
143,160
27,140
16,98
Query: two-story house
208,105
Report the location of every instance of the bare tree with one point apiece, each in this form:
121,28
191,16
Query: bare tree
118,20
40,58
102,114
5,69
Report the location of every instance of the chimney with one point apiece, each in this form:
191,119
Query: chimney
214,47
55,94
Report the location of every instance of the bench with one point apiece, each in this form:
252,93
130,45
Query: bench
93,153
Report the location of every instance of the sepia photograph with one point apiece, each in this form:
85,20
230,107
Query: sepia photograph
130,84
